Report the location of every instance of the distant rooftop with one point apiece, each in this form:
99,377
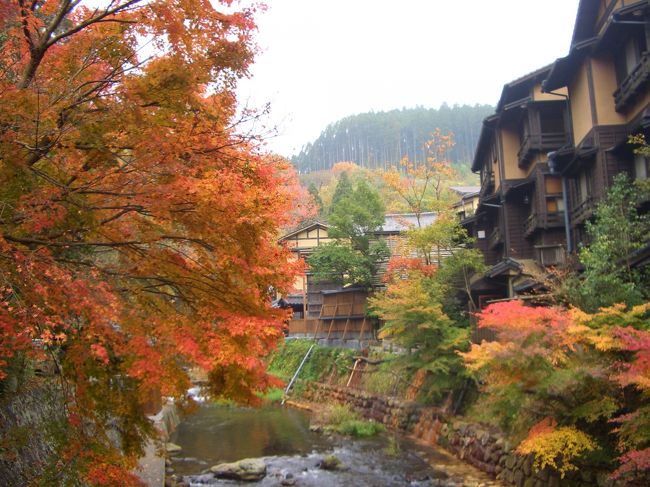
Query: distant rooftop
465,190
400,222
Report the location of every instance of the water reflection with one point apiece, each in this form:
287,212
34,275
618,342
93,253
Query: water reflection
217,434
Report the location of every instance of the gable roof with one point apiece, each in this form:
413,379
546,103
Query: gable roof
484,140
518,89
309,226
585,21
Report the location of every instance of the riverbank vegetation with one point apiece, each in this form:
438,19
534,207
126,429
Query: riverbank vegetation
339,418
571,382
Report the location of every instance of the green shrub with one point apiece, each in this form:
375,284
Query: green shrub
340,418
386,378
272,395
323,363
337,414
359,428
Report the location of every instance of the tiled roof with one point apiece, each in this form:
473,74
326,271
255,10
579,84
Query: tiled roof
399,222
463,190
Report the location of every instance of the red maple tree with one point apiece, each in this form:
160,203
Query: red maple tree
138,225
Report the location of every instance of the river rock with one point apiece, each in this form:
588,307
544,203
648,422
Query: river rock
249,469
172,448
331,462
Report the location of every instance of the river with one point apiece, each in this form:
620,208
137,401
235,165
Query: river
292,453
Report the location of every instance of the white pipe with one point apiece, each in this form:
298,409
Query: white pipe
295,376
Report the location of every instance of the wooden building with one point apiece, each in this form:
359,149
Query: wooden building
606,75
302,242
327,311
549,153
467,204
518,222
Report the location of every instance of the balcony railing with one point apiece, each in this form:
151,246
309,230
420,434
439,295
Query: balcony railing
543,220
542,142
487,184
634,84
583,211
531,224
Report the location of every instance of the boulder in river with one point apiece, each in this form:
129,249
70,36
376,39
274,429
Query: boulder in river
172,448
331,462
249,469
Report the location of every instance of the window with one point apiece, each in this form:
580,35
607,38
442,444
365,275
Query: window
552,118
554,205
629,55
584,186
552,255
641,167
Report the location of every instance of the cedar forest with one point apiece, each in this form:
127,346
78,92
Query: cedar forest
139,238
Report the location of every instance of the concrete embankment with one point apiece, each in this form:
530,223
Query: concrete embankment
151,467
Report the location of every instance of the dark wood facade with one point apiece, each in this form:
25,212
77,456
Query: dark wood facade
519,221
558,138
606,75
341,321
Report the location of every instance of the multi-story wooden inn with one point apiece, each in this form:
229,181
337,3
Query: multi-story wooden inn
559,135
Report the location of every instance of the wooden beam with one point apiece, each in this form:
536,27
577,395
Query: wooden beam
329,331
363,325
345,329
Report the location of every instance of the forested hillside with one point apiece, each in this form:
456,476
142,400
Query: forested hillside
381,139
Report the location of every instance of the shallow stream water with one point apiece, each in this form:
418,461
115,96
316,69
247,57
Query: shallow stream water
292,453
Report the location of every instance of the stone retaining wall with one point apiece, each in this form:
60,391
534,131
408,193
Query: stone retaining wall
25,423
395,414
484,447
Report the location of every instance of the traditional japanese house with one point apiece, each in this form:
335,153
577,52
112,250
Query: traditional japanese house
550,152
302,241
606,75
467,204
519,221
326,310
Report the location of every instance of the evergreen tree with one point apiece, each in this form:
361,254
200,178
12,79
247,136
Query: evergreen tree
354,217
313,191
377,140
343,189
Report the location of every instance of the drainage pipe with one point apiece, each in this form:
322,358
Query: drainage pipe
295,376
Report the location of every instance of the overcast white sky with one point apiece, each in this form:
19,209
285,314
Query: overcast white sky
323,60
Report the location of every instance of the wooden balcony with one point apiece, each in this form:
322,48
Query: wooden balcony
634,85
543,221
583,211
342,311
544,142
487,185
495,239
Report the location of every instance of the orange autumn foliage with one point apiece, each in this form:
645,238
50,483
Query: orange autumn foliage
570,381
138,225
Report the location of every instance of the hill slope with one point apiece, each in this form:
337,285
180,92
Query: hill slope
380,139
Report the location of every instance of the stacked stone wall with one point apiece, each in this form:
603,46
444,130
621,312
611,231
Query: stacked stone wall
484,447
